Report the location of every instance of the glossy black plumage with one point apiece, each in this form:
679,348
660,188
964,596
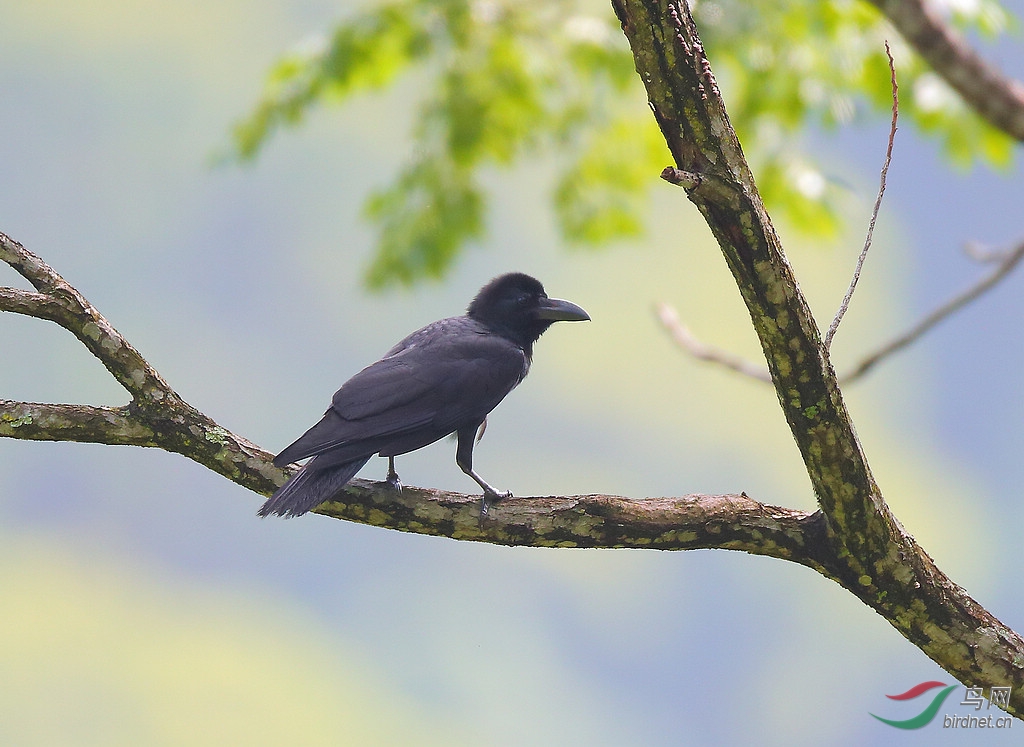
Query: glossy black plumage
444,378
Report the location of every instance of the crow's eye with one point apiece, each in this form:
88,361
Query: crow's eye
522,300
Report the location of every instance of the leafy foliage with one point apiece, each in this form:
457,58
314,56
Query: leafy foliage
515,78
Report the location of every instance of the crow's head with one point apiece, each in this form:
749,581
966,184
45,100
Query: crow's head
516,306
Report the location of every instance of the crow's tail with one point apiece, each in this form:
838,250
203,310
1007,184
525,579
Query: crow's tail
310,487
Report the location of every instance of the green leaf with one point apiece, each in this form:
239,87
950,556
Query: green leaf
366,53
490,103
425,219
603,194
512,79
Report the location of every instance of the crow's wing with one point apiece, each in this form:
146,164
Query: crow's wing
445,376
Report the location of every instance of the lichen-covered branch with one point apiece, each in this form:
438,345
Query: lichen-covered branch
732,522
157,417
853,539
172,425
878,561
59,302
34,421
994,96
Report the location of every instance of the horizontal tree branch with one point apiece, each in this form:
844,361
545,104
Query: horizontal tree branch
35,421
172,425
158,418
28,303
730,522
733,522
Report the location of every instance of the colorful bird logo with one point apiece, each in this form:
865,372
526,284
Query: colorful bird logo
925,716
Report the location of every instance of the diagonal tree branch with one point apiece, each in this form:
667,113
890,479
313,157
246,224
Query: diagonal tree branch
994,96
881,564
57,301
156,415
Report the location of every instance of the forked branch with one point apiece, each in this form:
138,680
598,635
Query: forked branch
1005,263
882,565
158,417
853,539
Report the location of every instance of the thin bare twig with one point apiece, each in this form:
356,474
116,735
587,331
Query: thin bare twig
1008,260
951,306
986,255
874,212
683,337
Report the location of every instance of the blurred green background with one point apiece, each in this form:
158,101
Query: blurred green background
144,603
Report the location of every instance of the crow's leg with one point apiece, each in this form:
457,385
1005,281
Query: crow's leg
393,480
464,458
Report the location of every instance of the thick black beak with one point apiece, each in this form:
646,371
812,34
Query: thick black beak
557,310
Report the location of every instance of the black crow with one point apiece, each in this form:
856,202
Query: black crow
442,379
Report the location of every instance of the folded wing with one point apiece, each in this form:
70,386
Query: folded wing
446,376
